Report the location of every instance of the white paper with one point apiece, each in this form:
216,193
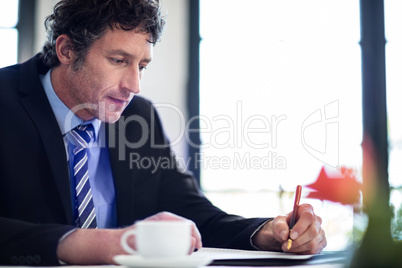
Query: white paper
234,254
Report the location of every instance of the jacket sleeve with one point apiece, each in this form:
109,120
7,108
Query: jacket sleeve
24,243
181,195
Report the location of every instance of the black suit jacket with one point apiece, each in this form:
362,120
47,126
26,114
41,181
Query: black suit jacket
35,201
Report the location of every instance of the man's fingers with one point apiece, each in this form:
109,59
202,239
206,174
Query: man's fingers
305,218
193,246
311,241
164,216
280,228
312,232
313,246
195,233
319,218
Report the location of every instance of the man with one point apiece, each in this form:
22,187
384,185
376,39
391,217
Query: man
69,127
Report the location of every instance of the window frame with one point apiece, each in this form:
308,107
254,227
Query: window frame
26,29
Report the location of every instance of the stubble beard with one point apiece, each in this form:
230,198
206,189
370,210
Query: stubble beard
89,105
86,106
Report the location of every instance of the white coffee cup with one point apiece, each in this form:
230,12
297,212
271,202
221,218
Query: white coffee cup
159,239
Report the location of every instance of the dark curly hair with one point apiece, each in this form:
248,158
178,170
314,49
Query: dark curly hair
85,21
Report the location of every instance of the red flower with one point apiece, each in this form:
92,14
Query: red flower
342,187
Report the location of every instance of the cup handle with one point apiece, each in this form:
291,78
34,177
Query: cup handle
123,241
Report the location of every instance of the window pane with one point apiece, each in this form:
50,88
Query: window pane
393,36
280,96
8,13
394,82
9,49
274,66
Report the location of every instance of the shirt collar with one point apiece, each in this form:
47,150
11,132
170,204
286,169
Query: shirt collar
66,119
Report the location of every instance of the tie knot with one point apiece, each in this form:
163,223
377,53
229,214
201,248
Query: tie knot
82,135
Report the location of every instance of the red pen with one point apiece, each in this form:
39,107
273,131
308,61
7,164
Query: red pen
294,213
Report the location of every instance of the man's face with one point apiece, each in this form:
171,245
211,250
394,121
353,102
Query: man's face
110,75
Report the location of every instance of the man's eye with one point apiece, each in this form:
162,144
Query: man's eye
117,61
143,68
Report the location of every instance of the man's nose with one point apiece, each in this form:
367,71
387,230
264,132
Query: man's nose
132,81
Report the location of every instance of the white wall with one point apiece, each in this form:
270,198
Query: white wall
165,80
43,9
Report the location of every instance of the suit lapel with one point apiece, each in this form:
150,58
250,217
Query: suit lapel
37,106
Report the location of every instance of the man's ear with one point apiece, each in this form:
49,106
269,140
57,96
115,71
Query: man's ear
64,49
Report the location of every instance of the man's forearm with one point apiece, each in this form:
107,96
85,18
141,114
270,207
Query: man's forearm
90,246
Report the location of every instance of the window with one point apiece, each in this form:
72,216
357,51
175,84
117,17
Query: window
8,32
393,21
280,96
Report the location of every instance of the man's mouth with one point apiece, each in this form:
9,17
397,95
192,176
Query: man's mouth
119,101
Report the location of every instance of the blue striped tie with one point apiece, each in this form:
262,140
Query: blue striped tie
84,206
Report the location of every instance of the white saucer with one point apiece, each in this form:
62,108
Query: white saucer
181,262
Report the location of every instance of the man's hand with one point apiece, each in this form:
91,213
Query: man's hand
307,235
99,246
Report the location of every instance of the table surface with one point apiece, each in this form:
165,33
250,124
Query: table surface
117,266
323,260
